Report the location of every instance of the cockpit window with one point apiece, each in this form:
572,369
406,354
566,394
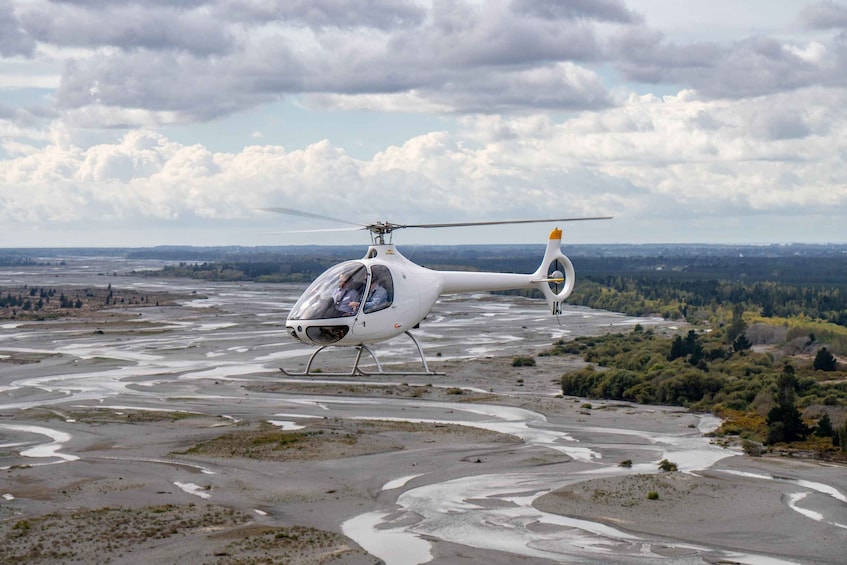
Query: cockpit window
381,291
335,294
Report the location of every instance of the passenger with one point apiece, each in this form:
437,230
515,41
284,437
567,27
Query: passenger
345,297
378,297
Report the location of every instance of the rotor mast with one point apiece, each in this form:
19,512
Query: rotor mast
379,231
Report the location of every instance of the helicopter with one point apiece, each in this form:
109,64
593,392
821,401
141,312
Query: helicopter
384,295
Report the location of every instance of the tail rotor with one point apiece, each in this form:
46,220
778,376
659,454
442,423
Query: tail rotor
557,274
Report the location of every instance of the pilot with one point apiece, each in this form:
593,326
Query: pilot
345,297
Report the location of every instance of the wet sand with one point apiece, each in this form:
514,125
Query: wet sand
168,434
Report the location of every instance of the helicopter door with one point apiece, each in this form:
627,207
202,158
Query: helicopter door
381,290
378,301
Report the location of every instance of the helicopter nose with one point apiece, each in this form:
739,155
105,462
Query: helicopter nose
293,333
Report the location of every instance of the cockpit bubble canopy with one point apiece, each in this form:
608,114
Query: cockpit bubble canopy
330,295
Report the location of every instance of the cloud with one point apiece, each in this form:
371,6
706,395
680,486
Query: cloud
504,108
600,10
13,41
126,26
129,65
824,15
6,112
196,61
317,14
752,67
561,85
674,158
494,36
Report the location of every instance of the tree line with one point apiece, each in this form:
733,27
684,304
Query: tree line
43,302
763,398
36,298
675,298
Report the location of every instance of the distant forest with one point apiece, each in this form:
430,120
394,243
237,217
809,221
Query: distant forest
691,282
789,264
17,261
698,283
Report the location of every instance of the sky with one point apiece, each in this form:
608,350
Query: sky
179,122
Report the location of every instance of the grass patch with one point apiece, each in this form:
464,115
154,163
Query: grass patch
523,361
103,534
269,442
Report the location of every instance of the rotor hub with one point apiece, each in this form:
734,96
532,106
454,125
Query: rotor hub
381,229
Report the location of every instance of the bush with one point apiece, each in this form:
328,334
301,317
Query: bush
667,466
523,361
652,495
752,448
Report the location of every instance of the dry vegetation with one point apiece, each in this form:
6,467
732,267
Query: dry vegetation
105,415
98,536
294,545
226,536
331,439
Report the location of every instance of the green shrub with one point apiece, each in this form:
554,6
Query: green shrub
523,361
667,466
752,448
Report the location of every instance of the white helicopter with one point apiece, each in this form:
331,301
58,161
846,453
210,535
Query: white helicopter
384,295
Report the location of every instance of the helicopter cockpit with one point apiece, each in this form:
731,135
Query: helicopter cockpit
337,296
331,294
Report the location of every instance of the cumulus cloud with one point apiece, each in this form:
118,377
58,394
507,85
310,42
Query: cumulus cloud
663,158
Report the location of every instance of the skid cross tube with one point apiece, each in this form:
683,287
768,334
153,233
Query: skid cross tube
357,371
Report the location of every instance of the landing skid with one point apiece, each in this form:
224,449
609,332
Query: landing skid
358,371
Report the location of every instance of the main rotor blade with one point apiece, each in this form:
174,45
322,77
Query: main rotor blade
293,212
317,230
501,222
380,229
